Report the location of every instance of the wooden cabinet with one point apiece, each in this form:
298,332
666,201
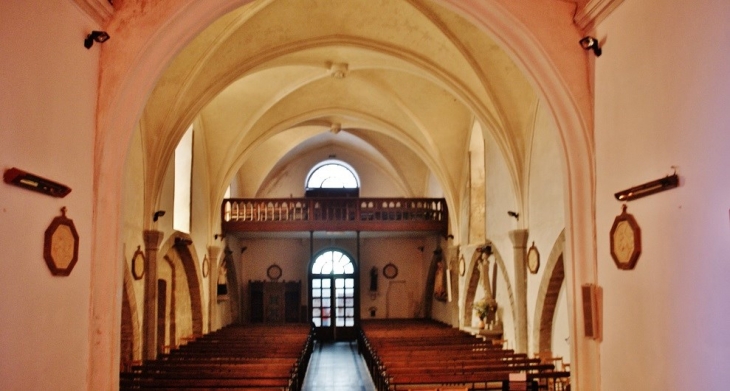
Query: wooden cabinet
275,302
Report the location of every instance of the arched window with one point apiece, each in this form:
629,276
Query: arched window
332,178
333,290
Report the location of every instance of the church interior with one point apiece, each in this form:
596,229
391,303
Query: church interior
548,174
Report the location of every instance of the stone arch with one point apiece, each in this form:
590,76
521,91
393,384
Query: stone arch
147,42
438,256
547,296
233,285
131,337
472,278
188,258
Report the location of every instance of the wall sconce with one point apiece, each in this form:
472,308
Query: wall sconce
514,214
95,36
219,236
486,249
26,180
182,241
588,43
243,249
157,215
648,188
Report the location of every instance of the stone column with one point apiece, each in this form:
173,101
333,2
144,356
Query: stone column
519,243
152,240
213,253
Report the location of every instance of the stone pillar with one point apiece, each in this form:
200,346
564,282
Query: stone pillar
213,253
152,240
519,243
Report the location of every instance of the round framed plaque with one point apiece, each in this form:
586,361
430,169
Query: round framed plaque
274,272
390,271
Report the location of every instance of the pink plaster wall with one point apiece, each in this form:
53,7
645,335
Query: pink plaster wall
662,93
47,123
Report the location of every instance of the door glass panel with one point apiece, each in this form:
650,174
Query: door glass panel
333,291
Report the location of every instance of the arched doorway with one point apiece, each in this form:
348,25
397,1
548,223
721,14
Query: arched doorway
333,295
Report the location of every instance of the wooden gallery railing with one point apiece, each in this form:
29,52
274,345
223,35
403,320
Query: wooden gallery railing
334,214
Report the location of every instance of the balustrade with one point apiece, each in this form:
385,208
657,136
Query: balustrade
335,214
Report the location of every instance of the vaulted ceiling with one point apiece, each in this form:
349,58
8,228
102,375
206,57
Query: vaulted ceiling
398,82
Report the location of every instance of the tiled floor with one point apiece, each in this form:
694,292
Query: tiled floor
337,366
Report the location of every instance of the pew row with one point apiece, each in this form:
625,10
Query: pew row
427,355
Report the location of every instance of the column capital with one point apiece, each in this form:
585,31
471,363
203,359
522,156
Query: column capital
152,239
519,237
213,252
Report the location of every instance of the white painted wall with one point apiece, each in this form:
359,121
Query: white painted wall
662,93
49,86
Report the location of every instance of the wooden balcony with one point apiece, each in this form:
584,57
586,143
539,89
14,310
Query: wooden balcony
334,214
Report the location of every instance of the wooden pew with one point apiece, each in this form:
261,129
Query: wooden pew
233,358
420,354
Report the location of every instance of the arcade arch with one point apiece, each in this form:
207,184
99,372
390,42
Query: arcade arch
147,47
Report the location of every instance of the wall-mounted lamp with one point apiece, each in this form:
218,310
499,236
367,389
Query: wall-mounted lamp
486,249
243,249
182,241
157,215
449,236
26,180
514,214
590,43
95,36
219,236
666,183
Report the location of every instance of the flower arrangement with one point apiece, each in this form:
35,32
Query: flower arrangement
485,306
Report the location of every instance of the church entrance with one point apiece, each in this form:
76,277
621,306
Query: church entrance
333,296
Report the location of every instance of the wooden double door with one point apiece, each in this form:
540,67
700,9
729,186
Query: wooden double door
333,298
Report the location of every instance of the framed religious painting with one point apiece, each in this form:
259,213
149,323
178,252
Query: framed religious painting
61,245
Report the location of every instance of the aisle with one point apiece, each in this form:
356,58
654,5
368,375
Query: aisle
337,367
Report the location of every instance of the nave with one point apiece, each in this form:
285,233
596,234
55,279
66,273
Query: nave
337,366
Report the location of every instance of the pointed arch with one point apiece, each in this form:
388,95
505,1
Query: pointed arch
131,336
547,297
148,42
188,257
472,278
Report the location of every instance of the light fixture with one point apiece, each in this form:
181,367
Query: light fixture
666,183
219,236
591,43
157,215
486,249
338,70
95,36
514,214
26,180
182,241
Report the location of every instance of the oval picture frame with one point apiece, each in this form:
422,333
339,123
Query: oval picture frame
533,259
138,262
390,271
206,266
274,272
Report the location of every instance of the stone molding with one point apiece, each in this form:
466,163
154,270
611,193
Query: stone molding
594,13
98,10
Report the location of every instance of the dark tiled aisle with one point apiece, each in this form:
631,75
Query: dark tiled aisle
337,367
